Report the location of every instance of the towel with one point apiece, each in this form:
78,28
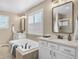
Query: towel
14,50
12,45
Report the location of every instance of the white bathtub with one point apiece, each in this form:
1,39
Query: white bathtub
22,53
21,42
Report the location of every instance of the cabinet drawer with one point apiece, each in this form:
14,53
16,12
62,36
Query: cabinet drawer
52,45
67,50
43,43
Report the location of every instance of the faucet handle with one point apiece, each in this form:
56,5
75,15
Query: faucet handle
22,46
29,46
60,37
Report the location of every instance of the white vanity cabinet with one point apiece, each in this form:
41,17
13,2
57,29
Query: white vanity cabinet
51,50
59,55
44,50
58,52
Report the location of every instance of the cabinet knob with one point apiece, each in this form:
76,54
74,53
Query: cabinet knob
54,53
50,52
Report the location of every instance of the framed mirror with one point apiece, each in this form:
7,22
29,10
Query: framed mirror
63,18
22,25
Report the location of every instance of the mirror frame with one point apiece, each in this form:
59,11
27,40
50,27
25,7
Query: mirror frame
72,18
22,25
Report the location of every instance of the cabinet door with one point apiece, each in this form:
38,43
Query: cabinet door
60,55
44,53
44,50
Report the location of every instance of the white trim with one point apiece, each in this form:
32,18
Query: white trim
33,13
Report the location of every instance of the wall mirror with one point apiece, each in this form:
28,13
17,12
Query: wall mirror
63,18
22,25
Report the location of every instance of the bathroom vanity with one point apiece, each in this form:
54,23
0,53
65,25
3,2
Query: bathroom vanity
50,48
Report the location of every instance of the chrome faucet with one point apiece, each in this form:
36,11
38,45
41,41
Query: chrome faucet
26,45
60,37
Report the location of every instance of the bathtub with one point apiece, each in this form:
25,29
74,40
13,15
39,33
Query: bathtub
22,52
21,44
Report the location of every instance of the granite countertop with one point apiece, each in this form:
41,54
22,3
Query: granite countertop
72,44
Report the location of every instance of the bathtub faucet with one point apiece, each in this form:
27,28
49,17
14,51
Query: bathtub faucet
26,45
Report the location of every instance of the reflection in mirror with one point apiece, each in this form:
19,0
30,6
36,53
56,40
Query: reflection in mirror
22,25
62,18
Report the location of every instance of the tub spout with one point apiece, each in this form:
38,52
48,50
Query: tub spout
26,45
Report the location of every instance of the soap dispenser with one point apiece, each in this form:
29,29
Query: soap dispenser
69,37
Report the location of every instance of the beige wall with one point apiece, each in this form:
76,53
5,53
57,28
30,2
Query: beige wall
6,34
47,5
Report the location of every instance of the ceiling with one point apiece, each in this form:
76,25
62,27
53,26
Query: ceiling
17,6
